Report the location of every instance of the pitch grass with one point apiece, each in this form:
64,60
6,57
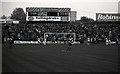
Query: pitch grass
50,58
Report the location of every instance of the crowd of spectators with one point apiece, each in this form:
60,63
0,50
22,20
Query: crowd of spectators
33,31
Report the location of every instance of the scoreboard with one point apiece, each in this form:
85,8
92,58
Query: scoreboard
47,14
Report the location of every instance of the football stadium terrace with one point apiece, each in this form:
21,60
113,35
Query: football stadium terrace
83,32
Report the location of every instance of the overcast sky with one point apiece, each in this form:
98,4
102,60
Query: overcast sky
83,7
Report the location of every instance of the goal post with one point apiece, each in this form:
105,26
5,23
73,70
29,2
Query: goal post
61,38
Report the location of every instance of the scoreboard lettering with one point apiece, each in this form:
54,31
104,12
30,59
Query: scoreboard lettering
63,14
44,18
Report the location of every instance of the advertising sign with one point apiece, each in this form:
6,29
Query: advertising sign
43,18
107,17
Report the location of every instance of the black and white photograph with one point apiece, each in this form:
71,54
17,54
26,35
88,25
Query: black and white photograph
59,36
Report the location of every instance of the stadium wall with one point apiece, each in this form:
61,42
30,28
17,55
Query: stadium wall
119,7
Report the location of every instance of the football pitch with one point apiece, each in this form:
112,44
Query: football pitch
53,58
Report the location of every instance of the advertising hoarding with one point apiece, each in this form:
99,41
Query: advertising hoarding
107,17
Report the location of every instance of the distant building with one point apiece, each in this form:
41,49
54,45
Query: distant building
2,20
73,16
9,21
119,7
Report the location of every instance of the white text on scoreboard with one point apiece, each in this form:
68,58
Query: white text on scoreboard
43,18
